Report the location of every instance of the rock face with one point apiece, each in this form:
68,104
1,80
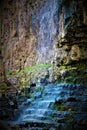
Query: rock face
17,38
34,32
71,48
28,31
72,36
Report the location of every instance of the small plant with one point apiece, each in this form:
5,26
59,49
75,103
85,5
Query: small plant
31,68
37,89
27,75
9,74
69,118
60,106
3,88
62,67
32,95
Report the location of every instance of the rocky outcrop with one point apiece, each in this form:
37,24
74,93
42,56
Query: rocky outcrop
28,31
71,48
17,38
44,32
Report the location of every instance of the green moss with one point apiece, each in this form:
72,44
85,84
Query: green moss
3,88
36,67
28,74
63,67
9,74
32,95
60,106
37,89
75,72
70,79
81,75
69,118
3,85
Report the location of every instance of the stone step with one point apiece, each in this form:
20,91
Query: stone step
36,117
59,93
41,104
39,111
35,125
52,93
49,97
37,128
67,98
64,87
47,112
33,110
54,89
65,91
56,113
37,121
69,86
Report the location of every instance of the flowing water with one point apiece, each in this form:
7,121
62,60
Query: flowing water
40,112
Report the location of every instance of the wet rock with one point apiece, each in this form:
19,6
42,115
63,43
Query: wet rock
37,95
63,73
27,91
44,81
60,120
55,106
71,99
4,126
77,106
33,85
29,100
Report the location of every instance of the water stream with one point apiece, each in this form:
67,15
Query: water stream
40,112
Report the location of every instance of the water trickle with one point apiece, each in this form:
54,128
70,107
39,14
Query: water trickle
49,109
45,26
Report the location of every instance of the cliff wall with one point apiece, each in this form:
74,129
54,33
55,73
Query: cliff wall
48,31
